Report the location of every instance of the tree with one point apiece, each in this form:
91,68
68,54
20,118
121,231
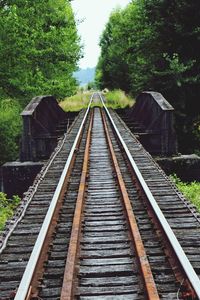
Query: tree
39,48
178,38
112,68
39,51
154,45
10,129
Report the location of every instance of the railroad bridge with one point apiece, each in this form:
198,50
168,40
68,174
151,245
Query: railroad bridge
102,220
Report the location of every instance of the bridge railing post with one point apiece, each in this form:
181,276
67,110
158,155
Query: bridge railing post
155,117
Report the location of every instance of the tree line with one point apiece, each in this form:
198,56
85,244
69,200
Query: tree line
154,45
39,51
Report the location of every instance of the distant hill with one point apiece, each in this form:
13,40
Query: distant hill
84,76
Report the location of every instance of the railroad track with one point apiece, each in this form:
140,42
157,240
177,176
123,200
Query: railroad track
98,232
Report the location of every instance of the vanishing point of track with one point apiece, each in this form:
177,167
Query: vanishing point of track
99,231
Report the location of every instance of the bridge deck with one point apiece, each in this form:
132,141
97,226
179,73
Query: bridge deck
106,263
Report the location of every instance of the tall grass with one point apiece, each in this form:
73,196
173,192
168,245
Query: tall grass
190,190
114,99
118,99
7,208
76,102
10,129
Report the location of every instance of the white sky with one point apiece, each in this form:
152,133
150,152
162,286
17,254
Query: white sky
95,14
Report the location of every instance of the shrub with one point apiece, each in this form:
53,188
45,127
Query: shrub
114,99
7,207
190,190
10,129
76,102
118,99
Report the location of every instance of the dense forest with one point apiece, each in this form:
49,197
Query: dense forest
39,51
154,45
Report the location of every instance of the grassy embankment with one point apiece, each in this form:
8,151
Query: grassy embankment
76,102
118,99
114,99
190,190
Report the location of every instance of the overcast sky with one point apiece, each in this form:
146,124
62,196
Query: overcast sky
95,14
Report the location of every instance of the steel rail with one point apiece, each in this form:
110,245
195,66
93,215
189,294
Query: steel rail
145,268
180,254
67,291
24,288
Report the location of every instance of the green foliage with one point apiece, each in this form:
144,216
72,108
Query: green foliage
154,45
141,44
91,85
76,102
10,129
39,48
118,99
7,207
114,99
190,190
196,134
112,68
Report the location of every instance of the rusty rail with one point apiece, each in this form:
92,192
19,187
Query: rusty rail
67,287
147,275
189,276
70,268
26,287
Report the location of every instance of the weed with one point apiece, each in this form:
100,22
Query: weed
190,190
7,207
114,99
118,99
76,102
10,129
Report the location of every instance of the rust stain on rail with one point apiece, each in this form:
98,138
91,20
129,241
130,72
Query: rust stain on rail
69,273
147,275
